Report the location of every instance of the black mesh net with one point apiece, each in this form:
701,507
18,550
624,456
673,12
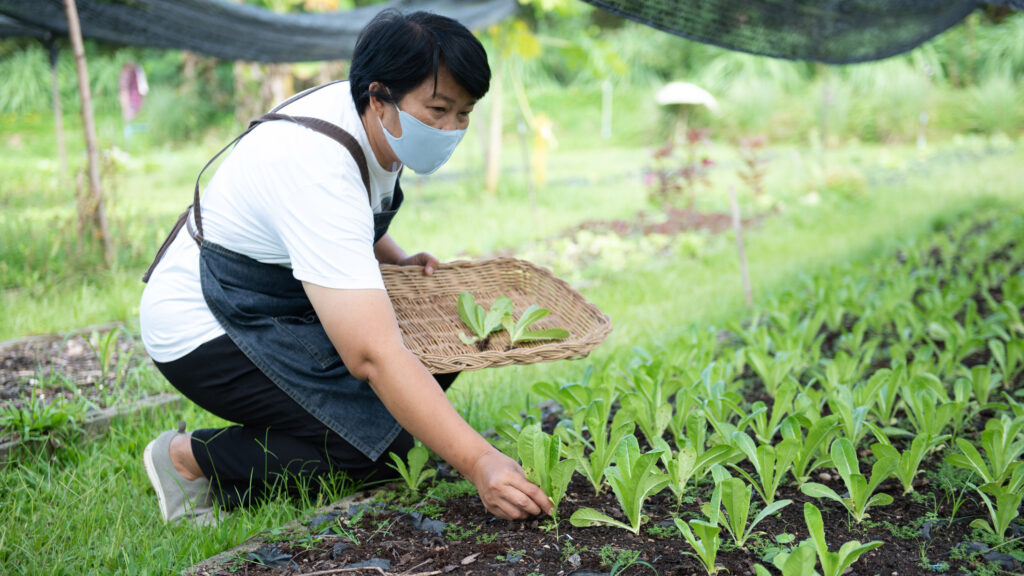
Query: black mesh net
833,31
229,30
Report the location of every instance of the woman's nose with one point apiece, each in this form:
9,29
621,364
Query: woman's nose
448,122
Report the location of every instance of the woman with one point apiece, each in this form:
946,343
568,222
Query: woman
266,306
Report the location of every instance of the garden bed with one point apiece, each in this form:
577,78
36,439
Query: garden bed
55,386
883,402
456,535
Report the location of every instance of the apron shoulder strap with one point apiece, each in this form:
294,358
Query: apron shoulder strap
324,127
333,132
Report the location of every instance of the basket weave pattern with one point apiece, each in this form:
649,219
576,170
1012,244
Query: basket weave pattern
427,312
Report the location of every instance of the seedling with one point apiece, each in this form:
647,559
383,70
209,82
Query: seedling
1002,450
686,465
799,562
703,536
811,454
833,563
540,454
518,330
1005,509
415,474
770,463
481,322
604,441
634,478
736,500
861,491
910,460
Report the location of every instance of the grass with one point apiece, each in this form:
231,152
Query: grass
91,510
88,512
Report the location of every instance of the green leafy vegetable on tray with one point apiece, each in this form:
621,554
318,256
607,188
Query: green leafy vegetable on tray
483,322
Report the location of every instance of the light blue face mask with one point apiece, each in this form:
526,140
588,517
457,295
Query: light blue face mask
422,147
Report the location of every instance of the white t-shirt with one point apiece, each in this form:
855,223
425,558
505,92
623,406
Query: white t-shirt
284,195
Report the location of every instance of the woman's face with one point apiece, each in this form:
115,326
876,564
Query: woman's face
447,108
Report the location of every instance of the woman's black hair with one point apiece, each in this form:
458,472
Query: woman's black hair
402,50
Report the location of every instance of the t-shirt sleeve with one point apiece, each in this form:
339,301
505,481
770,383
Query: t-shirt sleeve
326,227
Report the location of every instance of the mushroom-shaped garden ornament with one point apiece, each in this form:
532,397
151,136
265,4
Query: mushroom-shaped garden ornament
685,96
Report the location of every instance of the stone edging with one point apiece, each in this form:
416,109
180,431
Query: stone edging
216,562
96,423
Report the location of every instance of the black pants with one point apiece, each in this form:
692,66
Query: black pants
276,442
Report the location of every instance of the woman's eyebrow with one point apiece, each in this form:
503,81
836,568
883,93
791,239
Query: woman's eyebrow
448,99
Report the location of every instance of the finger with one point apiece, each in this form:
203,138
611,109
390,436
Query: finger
537,497
521,507
431,263
524,501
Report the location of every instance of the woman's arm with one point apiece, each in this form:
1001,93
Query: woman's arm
362,326
387,251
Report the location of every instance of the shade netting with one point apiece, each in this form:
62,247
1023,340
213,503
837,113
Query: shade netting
833,31
229,30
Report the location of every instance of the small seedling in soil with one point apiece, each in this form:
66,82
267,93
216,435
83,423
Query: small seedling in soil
416,473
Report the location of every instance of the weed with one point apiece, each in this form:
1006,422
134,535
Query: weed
486,538
617,559
444,491
509,555
458,533
662,531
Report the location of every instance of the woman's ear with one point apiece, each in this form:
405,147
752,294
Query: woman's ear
376,104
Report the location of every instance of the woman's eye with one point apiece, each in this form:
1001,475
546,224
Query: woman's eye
437,109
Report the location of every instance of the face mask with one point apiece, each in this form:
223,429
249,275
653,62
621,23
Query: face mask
422,148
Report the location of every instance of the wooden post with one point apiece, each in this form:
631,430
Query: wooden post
737,224
58,110
492,169
95,210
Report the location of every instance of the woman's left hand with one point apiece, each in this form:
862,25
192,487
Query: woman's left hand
425,259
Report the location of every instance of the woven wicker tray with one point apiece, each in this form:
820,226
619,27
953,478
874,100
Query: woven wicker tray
426,307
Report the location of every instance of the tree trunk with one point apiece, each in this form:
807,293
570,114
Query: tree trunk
94,212
58,112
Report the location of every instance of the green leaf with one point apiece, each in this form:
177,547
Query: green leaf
768,511
547,334
815,490
799,562
470,314
532,314
586,517
500,307
844,458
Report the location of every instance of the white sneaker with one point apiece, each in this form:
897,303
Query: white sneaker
179,498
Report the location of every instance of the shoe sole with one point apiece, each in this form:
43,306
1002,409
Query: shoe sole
154,478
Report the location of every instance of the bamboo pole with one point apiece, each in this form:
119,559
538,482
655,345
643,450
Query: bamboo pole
95,210
58,111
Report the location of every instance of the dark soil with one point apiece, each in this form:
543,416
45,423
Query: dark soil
473,541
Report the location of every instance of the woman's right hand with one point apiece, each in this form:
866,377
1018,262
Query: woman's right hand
504,489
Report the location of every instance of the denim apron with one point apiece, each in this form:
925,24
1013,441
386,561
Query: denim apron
266,313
